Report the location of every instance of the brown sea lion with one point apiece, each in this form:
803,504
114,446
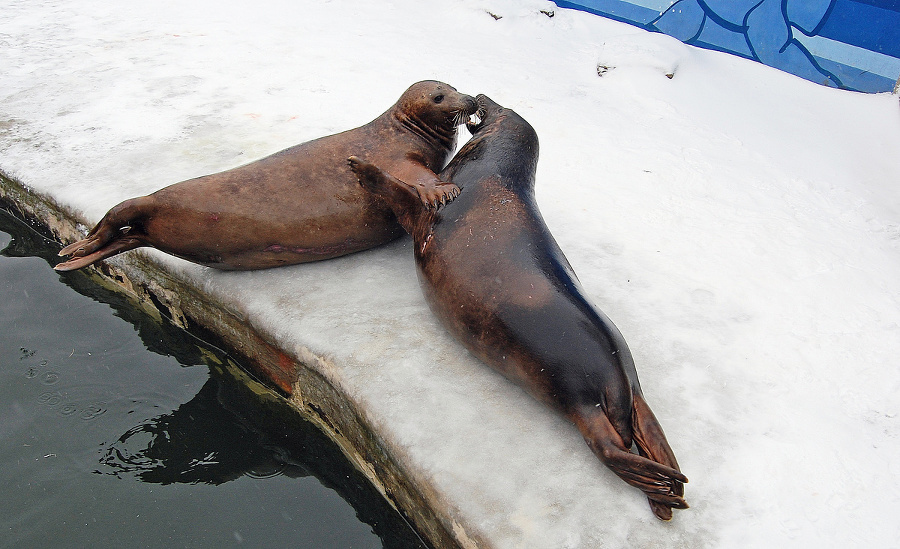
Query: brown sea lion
301,204
494,275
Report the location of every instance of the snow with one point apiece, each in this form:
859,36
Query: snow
740,225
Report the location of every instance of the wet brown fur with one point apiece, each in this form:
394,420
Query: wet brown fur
300,204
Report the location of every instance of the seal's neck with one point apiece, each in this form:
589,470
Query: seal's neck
443,135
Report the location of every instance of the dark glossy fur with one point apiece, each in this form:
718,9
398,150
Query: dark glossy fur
493,273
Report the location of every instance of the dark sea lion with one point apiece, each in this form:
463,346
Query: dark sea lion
494,275
301,204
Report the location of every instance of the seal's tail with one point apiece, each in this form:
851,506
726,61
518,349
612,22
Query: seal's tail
107,238
112,248
652,444
652,470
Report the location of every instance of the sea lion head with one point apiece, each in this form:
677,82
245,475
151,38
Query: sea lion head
435,108
490,114
502,140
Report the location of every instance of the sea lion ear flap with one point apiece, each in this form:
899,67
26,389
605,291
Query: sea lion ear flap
401,198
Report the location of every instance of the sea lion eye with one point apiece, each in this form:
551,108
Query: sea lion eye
438,98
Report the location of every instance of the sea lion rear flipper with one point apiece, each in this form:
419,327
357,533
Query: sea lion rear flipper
400,197
652,444
112,248
113,226
95,240
661,483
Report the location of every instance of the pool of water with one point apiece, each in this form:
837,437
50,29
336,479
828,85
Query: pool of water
120,430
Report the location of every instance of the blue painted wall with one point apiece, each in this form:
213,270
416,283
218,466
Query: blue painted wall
851,44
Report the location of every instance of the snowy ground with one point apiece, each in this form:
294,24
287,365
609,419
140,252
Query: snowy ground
740,225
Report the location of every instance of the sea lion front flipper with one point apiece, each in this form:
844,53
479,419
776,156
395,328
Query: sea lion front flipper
432,191
110,249
659,482
652,444
403,199
436,193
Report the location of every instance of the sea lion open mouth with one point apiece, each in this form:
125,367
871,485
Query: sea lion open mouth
476,119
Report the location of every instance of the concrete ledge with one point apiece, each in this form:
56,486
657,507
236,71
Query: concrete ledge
296,379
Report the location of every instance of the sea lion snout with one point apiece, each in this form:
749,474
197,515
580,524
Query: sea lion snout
471,104
474,113
467,108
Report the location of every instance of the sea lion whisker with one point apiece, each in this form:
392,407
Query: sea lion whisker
459,116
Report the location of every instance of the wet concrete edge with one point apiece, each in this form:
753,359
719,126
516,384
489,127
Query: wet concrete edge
294,380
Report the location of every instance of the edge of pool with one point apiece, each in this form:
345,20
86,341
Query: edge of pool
294,377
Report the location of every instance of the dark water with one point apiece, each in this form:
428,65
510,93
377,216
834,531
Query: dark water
120,431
